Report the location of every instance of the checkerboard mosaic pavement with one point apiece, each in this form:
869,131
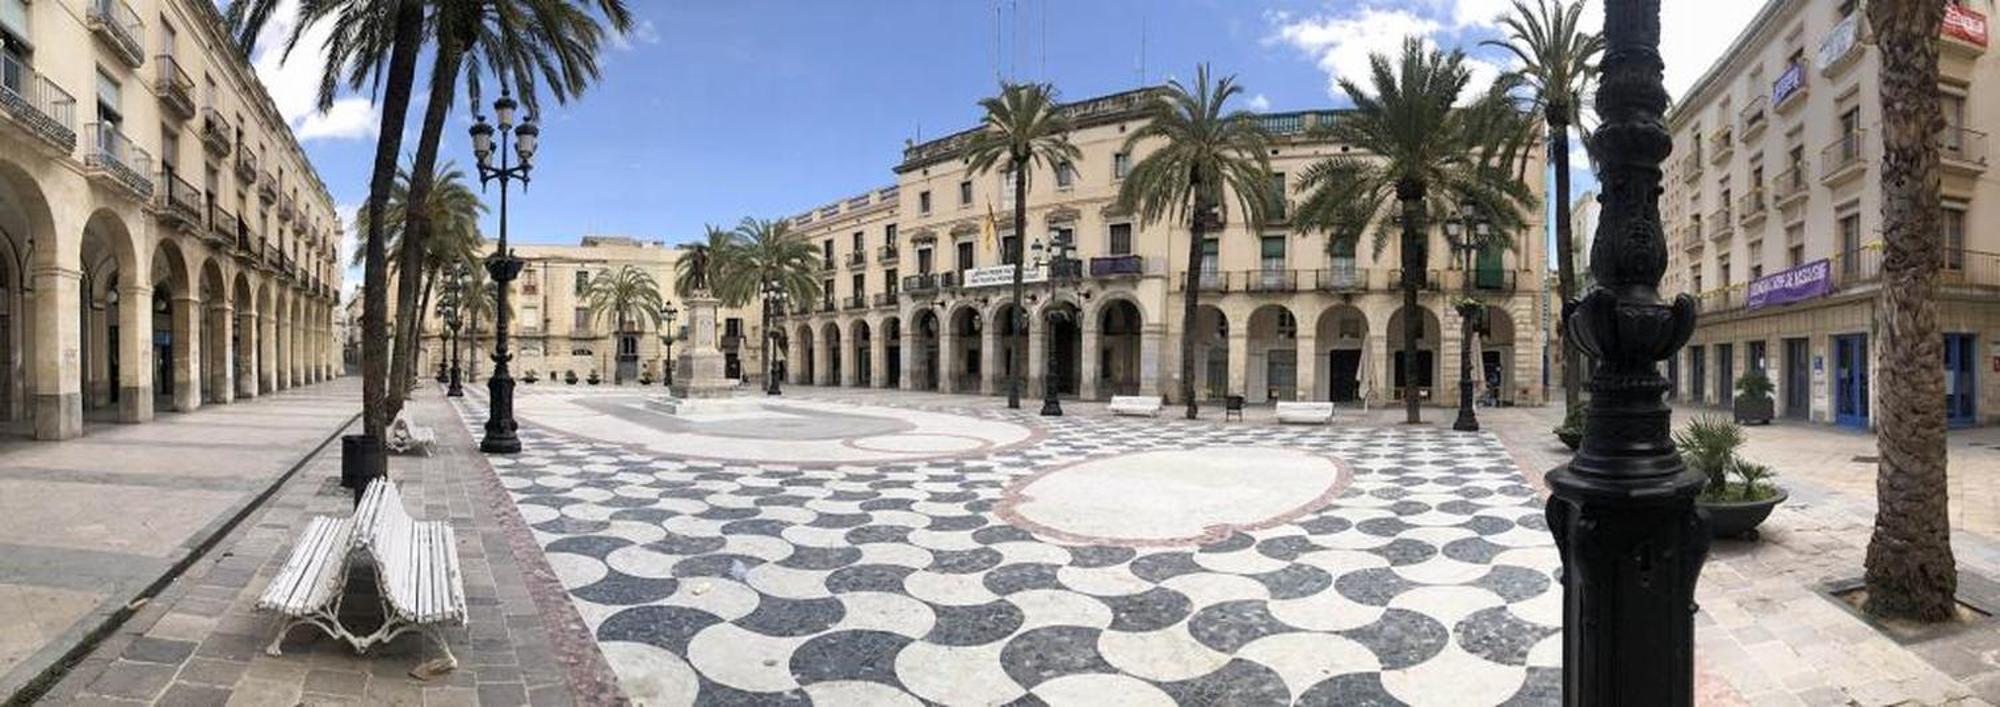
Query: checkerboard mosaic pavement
1428,578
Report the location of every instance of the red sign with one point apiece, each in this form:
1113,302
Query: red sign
1964,24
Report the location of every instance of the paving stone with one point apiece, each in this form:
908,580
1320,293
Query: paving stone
146,649
129,680
183,694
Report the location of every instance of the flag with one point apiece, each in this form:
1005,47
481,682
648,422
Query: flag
988,230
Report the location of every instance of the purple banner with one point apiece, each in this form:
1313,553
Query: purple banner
1814,279
1789,82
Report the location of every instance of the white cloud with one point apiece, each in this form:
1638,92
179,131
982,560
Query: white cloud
293,81
1260,103
642,32
1479,13
1341,44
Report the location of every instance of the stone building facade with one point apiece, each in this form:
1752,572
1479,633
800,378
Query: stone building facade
166,242
1773,205
917,296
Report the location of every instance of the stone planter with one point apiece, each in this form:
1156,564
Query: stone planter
1733,519
1754,410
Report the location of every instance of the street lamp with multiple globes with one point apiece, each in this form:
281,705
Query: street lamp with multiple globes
1467,232
448,310
774,296
502,266
667,314
1054,259
1623,509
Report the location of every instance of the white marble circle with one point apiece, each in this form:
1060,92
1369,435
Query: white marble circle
1175,496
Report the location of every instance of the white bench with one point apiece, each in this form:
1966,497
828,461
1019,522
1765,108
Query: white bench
405,437
1147,405
1305,413
416,573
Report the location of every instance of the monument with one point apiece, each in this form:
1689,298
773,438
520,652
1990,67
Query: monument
698,373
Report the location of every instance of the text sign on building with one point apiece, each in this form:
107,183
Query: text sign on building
1838,40
996,275
1814,279
1964,24
1788,83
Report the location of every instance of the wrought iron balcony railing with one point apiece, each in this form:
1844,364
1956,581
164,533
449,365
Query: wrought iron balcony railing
246,165
887,254
1117,266
175,86
1963,148
1843,158
110,156
37,105
119,27
178,201
215,132
1790,185
1751,205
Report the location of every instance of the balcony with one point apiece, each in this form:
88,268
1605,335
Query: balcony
1963,32
178,202
1118,266
885,300
1690,165
175,86
223,227
214,132
857,258
920,283
35,105
1342,277
1790,187
246,166
854,302
1750,208
267,187
1754,117
1721,225
1268,280
112,160
119,27
1841,47
1496,280
828,264
1726,299
887,254
1432,280
1844,158
1789,89
1690,237
287,208
1962,150
1721,145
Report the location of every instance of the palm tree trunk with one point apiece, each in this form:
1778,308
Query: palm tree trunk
375,285
1414,237
1018,359
423,305
1191,303
1557,117
1910,569
417,226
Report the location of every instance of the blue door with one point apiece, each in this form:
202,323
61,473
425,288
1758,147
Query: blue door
1959,383
1850,380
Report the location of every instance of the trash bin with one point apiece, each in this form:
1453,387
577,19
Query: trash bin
362,460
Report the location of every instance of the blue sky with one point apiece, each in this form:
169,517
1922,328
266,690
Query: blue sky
712,111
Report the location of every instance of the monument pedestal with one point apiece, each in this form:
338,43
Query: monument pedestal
698,373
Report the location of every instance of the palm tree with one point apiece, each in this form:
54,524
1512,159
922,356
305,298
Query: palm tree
1206,151
767,254
454,214
626,295
1424,156
1023,128
1558,63
391,29
1910,569
719,243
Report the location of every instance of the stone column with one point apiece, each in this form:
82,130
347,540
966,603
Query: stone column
1239,360
1380,380
187,326
58,406
267,353
1152,342
878,360
912,354
1038,361
135,350
97,364
296,357
1090,345
947,373
221,385
1308,378
992,374
247,357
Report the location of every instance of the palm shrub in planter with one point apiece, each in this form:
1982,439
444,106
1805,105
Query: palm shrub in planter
569,377
530,378
645,378
1739,494
1571,430
1754,402
594,378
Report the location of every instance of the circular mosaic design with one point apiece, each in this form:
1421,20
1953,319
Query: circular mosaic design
1169,497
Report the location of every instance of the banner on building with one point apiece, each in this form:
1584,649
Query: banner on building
1964,24
1001,275
1814,279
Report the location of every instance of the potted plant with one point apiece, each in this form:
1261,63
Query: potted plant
1754,402
594,379
569,377
1571,430
1739,494
530,377
645,377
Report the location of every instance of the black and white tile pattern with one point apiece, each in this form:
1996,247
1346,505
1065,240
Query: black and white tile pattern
1427,580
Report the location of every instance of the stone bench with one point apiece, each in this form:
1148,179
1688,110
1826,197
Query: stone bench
1146,405
1305,413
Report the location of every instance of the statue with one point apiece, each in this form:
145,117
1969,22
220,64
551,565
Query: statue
698,261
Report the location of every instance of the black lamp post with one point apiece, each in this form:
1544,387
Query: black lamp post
1054,259
774,296
502,266
667,314
453,323
1623,511
1467,231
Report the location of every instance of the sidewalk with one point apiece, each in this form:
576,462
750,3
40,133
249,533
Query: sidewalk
201,642
88,525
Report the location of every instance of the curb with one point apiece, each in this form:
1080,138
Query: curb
39,685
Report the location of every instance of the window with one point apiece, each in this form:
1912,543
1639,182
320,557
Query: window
1276,207
1850,244
1756,260
170,149
826,294
856,242
889,282
1010,249
1007,186
1795,255
1722,270
109,102
14,30
1210,255
1694,278
826,251
1953,137
1271,253
208,98
924,202
1121,165
1288,326
1953,224
582,323
1065,175
1121,239
860,283
582,281
965,193
889,235
733,327
924,259
964,255
169,39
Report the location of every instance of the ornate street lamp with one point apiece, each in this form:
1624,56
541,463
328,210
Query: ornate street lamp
774,297
1466,231
1623,511
667,314
1054,259
450,304
502,266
